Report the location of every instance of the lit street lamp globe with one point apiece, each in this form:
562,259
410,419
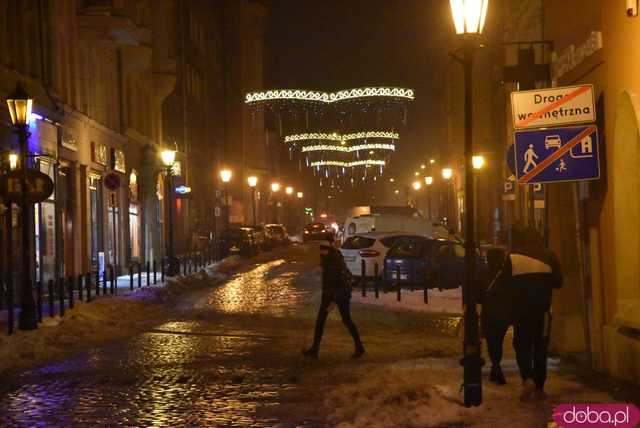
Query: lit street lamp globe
168,157
477,161
300,195
252,180
417,185
275,187
428,181
19,105
447,173
469,15
225,175
289,190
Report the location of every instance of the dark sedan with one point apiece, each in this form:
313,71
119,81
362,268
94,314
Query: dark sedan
436,263
316,232
240,240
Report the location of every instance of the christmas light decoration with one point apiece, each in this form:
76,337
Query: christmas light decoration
316,136
366,162
346,149
328,97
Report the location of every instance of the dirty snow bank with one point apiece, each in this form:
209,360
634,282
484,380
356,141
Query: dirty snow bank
106,318
425,393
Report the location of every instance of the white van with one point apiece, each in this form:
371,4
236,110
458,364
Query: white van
393,223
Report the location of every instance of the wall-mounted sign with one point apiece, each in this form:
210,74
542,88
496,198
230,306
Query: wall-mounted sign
183,190
119,163
69,139
112,181
39,186
99,153
177,169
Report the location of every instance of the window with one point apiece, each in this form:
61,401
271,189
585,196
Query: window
134,231
358,243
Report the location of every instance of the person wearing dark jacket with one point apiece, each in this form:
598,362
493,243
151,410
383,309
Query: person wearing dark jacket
336,288
530,274
496,316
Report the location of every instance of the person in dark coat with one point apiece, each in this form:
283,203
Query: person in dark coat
496,314
336,289
530,274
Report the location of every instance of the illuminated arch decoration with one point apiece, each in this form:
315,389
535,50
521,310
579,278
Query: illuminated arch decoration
328,97
365,162
316,136
348,149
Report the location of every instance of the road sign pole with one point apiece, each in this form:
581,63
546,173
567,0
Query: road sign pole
581,263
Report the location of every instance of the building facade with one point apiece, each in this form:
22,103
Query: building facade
114,82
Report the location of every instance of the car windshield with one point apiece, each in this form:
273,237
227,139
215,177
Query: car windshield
276,229
411,248
358,243
316,227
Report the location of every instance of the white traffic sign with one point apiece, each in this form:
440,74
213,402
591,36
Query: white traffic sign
540,108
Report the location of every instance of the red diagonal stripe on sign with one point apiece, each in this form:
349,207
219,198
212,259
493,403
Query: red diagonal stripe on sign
540,113
557,155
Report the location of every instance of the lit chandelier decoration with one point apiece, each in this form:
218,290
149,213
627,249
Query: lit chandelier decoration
370,116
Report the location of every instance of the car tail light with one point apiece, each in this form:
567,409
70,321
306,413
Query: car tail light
369,253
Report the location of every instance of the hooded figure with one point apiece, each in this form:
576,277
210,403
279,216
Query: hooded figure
336,289
525,286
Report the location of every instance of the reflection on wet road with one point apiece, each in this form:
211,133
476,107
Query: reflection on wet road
220,360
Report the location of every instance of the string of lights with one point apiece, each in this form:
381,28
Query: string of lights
328,97
317,136
365,162
346,149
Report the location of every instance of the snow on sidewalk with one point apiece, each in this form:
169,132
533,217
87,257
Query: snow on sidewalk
441,302
426,393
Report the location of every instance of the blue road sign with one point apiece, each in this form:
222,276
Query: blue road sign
557,154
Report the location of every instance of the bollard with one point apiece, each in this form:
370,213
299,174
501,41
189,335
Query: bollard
376,279
426,294
80,291
113,279
51,297
97,282
363,271
61,296
148,273
87,283
9,304
39,300
131,277
70,291
399,297
162,271
104,282
155,278
184,265
139,275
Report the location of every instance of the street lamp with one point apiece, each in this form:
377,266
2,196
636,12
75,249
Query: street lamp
168,158
13,161
477,161
432,161
289,190
423,166
253,182
468,18
225,176
447,173
275,187
19,105
428,181
300,195
417,185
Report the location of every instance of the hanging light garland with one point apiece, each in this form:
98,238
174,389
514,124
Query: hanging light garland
348,149
328,97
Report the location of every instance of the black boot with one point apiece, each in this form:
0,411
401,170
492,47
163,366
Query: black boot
497,376
359,352
311,352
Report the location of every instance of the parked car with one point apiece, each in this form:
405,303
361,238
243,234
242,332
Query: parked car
370,248
436,263
260,236
316,232
277,233
239,240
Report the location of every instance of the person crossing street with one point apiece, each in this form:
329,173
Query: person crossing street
336,289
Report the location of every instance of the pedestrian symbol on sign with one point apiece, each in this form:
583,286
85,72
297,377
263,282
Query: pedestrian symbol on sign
562,166
529,157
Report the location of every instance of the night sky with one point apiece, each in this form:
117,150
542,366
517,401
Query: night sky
336,44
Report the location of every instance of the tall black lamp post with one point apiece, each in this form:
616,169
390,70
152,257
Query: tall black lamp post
168,157
253,182
428,181
468,18
20,105
275,188
225,176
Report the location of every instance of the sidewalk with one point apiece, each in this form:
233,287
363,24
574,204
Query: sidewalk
439,302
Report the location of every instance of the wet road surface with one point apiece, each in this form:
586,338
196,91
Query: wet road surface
228,357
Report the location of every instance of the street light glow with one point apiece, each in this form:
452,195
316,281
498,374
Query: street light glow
275,187
289,190
19,105
300,195
447,173
13,161
252,180
417,185
168,157
392,180
423,166
416,173
469,15
396,191
225,175
428,181
477,161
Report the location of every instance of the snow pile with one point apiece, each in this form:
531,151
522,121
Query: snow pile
426,393
441,302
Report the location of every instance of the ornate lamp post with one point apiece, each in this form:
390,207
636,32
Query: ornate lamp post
447,173
19,105
168,158
469,17
428,181
253,182
225,176
275,188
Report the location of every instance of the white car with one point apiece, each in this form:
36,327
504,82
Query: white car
371,247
